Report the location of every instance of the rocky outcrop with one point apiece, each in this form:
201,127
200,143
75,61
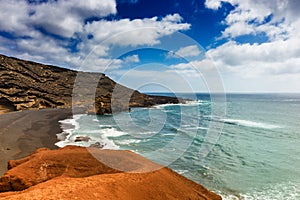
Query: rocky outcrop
82,139
74,173
28,85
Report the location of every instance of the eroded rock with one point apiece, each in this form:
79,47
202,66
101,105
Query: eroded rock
28,85
74,173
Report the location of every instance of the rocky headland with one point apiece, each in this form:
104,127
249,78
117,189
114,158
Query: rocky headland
28,85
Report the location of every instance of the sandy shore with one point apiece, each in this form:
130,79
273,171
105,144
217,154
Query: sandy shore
23,132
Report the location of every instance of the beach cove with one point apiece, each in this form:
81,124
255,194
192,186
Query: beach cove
25,131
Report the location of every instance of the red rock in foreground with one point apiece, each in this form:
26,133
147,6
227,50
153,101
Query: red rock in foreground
73,173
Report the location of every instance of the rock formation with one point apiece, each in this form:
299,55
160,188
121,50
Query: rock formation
28,85
82,139
73,173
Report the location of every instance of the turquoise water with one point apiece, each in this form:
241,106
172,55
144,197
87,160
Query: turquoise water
254,156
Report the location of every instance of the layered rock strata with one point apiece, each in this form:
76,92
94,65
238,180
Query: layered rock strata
28,85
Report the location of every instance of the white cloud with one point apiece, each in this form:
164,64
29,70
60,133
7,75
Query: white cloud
280,55
172,18
275,18
96,64
189,51
213,4
33,25
195,67
132,59
135,32
273,65
13,15
277,57
185,52
189,77
163,80
64,17
60,17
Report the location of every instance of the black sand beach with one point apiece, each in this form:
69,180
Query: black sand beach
23,132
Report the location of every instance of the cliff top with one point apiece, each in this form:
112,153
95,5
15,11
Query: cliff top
74,173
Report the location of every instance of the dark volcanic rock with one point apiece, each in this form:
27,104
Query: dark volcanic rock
82,139
28,85
97,145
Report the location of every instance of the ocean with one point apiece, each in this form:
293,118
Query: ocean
247,149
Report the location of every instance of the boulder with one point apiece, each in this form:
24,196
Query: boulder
82,139
97,145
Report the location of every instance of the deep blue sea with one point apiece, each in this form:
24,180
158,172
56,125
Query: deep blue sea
247,147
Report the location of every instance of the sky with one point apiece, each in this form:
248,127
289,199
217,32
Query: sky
244,46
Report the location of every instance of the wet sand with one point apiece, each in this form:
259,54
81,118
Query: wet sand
23,132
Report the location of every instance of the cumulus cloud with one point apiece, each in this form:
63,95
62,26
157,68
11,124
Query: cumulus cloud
278,20
60,17
272,65
132,59
65,18
128,33
96,64
213,4
14,15
135,32
274,18
64,32
196,67
189,51
186,52
280,57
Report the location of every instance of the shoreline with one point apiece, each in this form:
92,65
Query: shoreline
23,132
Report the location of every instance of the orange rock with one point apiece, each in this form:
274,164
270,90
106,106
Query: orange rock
74,173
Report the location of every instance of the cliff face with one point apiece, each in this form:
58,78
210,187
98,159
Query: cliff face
28,85
73,173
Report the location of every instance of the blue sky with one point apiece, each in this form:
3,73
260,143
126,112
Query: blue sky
169,45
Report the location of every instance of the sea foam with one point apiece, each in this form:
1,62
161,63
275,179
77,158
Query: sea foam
102,135
242,122
286,191
248,123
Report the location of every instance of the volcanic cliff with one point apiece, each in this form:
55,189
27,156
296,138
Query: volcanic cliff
28,85
79,173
